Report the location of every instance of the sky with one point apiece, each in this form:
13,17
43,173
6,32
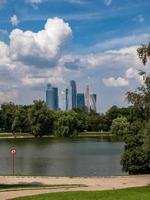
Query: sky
93,42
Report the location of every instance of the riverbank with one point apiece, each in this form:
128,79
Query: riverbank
89,184
80,135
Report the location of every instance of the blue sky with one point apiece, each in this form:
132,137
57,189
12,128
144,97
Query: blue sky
92,42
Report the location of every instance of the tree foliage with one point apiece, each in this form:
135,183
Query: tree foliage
66,124
144,53
120,126
41,119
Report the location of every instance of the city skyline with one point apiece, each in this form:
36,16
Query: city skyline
70,97
92,42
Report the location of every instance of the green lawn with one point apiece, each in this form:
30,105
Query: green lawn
142,193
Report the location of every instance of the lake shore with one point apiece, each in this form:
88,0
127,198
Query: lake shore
80,135
87,184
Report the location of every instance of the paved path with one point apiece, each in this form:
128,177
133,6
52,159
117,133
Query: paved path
91,184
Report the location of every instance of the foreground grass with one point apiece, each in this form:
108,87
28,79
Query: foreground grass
142,193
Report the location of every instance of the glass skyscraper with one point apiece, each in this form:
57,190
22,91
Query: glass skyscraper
73,94
93,99
80,101
52,97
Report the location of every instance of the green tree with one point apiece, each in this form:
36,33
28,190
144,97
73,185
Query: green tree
93,121
120,126
21,121
144,53
7,116
141,98
66,124
146,144
41,119
136,156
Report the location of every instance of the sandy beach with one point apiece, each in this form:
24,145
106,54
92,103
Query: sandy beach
87,184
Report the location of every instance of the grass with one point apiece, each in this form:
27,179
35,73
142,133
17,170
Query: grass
141,193
80,135
94,134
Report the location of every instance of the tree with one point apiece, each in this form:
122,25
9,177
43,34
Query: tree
144,53
21,121
66,124
93,121
120,126
41,119
7,116
136,156
146,144
141,98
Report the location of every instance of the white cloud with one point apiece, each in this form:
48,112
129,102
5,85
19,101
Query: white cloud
121,42
131,73
7,96
14,20
41,49
31,59
118,82
108,2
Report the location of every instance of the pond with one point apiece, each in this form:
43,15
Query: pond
62,157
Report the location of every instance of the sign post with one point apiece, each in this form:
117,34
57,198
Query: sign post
13,153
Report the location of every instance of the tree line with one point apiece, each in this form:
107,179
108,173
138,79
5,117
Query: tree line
39,120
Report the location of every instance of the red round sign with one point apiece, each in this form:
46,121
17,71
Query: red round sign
13,151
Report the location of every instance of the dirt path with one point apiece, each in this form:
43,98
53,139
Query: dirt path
92,184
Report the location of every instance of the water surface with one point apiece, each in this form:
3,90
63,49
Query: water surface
62,157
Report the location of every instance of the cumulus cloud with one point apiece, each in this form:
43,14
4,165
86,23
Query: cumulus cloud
41,49
118,82
131,73
14,20
30,60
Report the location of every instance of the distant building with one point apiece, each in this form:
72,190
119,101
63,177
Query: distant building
67,99
73,94
87,98
93,102
52,97
80,101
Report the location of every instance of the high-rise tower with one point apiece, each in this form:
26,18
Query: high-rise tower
87,98
52,97
93,102
80,101
73,94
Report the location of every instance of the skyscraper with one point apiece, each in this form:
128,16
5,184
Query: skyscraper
87,98
73,94
67,98
93,102
80,101
52,97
